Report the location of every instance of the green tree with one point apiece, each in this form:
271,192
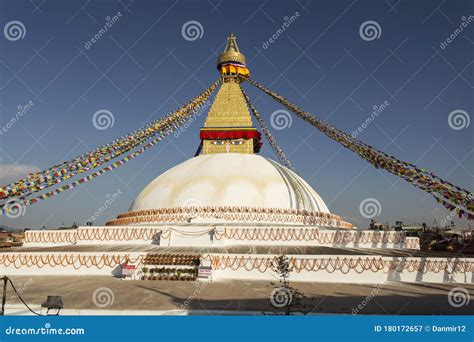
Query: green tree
284,297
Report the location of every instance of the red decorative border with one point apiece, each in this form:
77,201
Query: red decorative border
230,134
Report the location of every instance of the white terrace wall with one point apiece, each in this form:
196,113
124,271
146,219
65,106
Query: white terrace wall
65,263
208,236
347,269
313,268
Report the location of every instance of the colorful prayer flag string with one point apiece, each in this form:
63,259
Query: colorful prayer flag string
271,140
451,196
166,126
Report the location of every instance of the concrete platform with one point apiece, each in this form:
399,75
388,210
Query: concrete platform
231,297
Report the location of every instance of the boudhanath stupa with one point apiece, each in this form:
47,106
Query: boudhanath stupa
224,215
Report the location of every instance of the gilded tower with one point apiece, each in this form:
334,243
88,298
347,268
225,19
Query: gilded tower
228,127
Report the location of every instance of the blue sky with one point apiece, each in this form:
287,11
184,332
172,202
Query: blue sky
143,67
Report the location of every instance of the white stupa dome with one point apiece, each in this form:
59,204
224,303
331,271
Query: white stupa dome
229,188
232,180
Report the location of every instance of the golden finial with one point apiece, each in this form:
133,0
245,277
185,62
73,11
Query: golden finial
231,53
231,62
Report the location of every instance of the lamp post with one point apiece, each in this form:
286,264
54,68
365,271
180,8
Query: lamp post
4,296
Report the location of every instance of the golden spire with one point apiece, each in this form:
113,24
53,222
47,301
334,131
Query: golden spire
228,127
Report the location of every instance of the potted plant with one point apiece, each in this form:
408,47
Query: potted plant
144,273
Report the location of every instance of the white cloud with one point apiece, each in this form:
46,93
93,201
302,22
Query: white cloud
12,172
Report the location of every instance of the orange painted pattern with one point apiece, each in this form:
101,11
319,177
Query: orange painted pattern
99,234
342,264
64,260
331,264
242,214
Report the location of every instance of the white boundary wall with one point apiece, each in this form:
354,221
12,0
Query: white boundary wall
69,263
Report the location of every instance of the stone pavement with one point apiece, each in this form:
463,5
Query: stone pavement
237,295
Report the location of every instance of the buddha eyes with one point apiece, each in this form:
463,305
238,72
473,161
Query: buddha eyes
223,142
